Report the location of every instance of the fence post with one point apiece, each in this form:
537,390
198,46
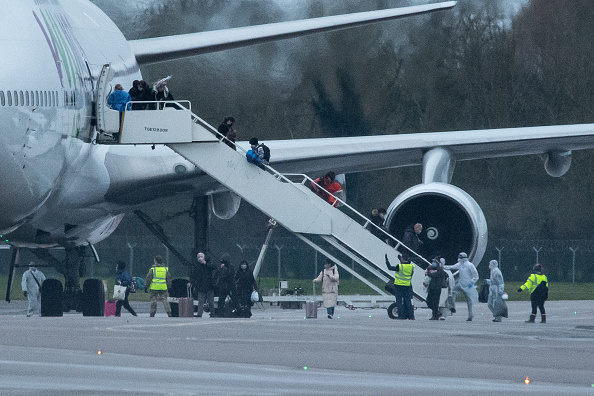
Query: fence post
278,249
573,264
537,250
131,246
499,250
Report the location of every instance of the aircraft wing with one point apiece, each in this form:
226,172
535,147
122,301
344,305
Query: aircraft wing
159,49
365,153
341,155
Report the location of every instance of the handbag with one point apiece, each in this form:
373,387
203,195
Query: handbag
119,292
255,296
499,307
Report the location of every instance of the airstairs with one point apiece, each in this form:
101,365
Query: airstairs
286,198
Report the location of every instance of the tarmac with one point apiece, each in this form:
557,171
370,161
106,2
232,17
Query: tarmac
279,352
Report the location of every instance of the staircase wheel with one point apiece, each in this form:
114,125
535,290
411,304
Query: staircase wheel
393,311
93,298
51,298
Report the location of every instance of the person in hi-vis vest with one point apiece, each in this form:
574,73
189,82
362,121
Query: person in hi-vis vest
158,281
402,286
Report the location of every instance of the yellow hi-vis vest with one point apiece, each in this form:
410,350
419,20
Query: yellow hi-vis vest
159,281
404,274
533,281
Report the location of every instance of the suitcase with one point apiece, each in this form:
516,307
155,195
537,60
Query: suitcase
186,305
110,308
311,307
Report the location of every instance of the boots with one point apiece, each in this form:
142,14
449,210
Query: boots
543,318
532,317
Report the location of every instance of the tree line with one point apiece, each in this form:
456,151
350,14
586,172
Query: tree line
474,67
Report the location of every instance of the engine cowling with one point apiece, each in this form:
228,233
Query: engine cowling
225,204
452,221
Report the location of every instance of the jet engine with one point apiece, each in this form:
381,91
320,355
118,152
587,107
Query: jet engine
452,221
557,163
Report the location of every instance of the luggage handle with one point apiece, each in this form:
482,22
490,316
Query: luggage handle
314,291
189,290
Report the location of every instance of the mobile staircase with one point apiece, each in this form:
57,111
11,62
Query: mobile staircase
286,198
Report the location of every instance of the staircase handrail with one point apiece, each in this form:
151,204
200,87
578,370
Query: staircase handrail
355,211
283,177
178,104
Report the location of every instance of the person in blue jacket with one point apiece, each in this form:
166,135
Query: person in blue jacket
119,100
123,278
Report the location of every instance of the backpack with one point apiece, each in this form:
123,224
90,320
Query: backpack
139,282
541,292
266,152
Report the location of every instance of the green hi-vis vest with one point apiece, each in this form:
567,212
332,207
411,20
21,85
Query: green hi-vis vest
533,281
159,281
404,274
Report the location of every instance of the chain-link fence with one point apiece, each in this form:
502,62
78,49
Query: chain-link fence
289,258
562,260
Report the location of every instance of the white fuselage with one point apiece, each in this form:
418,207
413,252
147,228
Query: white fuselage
53,180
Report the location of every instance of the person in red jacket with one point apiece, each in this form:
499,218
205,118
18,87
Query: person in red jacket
328,184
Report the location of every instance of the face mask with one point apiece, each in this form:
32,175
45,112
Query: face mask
244,267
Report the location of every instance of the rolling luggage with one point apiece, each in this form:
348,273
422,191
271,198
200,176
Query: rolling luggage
311,307
186,305
110,308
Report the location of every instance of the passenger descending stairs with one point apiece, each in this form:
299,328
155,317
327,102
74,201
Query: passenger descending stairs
293,205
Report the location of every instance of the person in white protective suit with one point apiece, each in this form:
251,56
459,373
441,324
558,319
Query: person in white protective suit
495,287
31,285
449,303
467,277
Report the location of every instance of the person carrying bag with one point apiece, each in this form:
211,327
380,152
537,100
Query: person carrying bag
121,290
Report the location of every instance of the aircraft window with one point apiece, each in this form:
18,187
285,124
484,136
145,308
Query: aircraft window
74,98
2,99
37,98
9,95
45,101
27,97
22,98
16,98
53,96
57,98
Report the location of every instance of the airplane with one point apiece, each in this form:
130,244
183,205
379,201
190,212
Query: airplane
60,189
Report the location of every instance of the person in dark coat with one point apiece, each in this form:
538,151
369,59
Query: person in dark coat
202,285
123,278
223,282
437,278
412,241
135,95
227,131
377,218
245,284
142,92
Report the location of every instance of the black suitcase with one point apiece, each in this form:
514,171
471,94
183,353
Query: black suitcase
484,293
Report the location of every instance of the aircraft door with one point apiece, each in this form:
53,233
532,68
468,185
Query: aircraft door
101,95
